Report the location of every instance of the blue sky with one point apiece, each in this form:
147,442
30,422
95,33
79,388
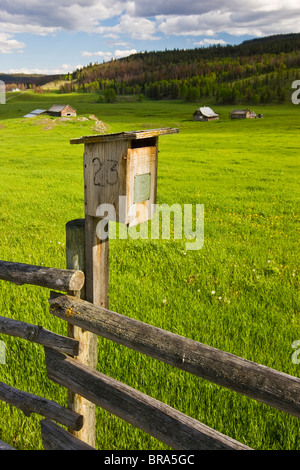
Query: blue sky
59,36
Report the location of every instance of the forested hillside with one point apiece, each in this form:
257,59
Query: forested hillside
259,70
256,71
24,81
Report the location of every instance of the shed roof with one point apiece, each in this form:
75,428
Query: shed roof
207,112
56,108
35,112
240,111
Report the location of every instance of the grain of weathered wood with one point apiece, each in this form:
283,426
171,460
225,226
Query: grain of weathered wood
39,335
269,386
141,161
75,253
131,135
57,279
54,437
30,403
97,265
152,416
97,276
109,172
104,175
111,168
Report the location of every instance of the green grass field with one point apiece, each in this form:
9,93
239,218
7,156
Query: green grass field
239,293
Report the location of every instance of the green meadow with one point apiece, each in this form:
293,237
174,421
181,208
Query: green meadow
239,293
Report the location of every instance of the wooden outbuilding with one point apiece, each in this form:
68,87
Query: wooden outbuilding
61,110
242,114
205,114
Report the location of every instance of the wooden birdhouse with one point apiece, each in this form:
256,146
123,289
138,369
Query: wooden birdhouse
118,165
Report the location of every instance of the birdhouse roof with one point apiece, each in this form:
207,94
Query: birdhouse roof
131,135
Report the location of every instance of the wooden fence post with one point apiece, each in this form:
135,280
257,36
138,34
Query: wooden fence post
114,166
97,264
76,259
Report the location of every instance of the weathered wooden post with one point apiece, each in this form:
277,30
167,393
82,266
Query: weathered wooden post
76,259
116,166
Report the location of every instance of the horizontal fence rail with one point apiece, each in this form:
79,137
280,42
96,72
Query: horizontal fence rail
39,335
54,437
148,414
4,446
269,386
65,280
30,403
163,422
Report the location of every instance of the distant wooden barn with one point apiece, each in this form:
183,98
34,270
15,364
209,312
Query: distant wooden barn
242,114
205,114
61,110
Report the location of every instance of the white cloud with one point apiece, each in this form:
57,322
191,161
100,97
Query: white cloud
118,43
62,69
16,28
106,56
251,20
144,20
194,25
210,42
54,15
119,53
145,8
9,45
169,7
103,55
136,28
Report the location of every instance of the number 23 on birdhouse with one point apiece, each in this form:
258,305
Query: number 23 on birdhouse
120,170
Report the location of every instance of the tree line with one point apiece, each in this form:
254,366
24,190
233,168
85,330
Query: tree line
262,78
256,71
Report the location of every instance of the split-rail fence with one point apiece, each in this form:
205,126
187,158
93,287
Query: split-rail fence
64,365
